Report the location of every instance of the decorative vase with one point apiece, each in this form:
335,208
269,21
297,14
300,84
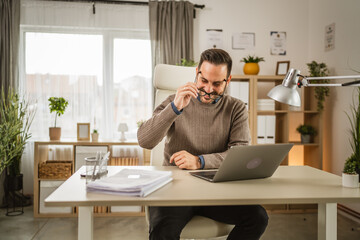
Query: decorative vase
251,68
305,138
54,133
94,137
350,180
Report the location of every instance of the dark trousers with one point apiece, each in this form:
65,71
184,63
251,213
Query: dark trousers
167,222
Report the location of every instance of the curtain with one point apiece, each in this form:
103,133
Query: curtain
171,31
9,42
9,45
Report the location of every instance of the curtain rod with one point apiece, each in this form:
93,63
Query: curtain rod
119,2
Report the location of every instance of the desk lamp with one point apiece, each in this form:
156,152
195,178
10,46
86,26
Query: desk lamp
286,92
123,127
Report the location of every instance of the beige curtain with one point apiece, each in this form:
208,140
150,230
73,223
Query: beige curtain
9,42
171,31
9,45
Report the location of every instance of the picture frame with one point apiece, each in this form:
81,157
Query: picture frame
83,131
282,67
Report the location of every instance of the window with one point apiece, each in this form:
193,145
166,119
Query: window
102,92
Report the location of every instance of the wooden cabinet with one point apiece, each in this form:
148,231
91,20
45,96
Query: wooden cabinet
50,174
288,118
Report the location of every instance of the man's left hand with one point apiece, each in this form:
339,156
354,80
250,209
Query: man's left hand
185,160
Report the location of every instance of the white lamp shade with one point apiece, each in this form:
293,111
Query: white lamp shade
285,95
123,127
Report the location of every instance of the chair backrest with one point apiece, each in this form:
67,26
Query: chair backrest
167,79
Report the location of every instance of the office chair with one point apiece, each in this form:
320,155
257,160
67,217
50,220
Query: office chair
167,78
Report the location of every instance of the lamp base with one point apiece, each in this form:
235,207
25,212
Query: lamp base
122,137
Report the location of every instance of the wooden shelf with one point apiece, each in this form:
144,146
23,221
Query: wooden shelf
287,119
41,155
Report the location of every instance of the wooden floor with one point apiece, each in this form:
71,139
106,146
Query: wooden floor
281,227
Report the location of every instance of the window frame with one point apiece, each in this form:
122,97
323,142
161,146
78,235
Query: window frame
109,35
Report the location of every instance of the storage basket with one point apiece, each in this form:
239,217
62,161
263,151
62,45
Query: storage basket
55,169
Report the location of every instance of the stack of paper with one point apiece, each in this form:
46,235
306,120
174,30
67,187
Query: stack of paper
131,182
265,105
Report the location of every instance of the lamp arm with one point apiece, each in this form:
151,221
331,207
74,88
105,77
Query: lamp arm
305,81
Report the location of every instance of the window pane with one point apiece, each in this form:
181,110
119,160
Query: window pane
69,66
132,83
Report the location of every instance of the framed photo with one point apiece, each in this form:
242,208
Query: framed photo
83,131
282,67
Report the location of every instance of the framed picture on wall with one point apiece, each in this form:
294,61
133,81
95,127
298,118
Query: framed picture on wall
83,131
282,67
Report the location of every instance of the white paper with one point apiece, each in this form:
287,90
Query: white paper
245,41
214,38
278,43
125,182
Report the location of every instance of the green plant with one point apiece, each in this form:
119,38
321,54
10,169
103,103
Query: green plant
354,119
319,70
187,63
16,116
305,129
350,165
57,105
95,131
140,122
252,59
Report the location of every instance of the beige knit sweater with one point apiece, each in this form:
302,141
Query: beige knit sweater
201,129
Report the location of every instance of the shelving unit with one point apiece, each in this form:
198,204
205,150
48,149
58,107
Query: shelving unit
287,119
44,185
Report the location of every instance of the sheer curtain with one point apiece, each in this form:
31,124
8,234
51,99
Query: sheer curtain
171,31
96,91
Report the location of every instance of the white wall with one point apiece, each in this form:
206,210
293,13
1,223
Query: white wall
304,23
346,55
260,17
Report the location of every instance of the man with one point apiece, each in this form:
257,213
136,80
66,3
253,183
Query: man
201,123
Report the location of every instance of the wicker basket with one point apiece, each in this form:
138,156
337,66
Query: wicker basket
55,169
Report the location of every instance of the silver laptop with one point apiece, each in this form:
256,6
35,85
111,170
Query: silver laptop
247,162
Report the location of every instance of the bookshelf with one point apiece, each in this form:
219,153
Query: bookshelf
287,119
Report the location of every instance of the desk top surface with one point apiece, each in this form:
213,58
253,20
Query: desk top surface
289,184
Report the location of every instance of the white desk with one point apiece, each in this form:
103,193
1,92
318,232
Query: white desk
299,185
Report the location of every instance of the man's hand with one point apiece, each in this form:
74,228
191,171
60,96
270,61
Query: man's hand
185,160
184,95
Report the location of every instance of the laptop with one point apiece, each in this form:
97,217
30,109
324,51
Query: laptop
247,162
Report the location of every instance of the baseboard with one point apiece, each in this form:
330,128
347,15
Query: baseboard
349,213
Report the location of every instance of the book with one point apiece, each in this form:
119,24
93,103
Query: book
131,182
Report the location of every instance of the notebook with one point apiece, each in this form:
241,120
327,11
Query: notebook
247,162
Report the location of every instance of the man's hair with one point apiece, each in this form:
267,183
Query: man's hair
217,57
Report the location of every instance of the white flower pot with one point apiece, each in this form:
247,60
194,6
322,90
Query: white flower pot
350,180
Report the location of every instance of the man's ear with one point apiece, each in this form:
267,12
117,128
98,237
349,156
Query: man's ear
228,80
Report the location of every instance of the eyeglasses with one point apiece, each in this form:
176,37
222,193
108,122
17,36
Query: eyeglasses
213,95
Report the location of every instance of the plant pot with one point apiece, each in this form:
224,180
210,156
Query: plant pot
54,133
94,137
350,180
251,68
305,138
14,183
358,172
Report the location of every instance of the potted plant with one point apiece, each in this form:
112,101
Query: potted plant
251,66
354,119
306,131
319,70
350,178
187,63
57,105
16,116
95,135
